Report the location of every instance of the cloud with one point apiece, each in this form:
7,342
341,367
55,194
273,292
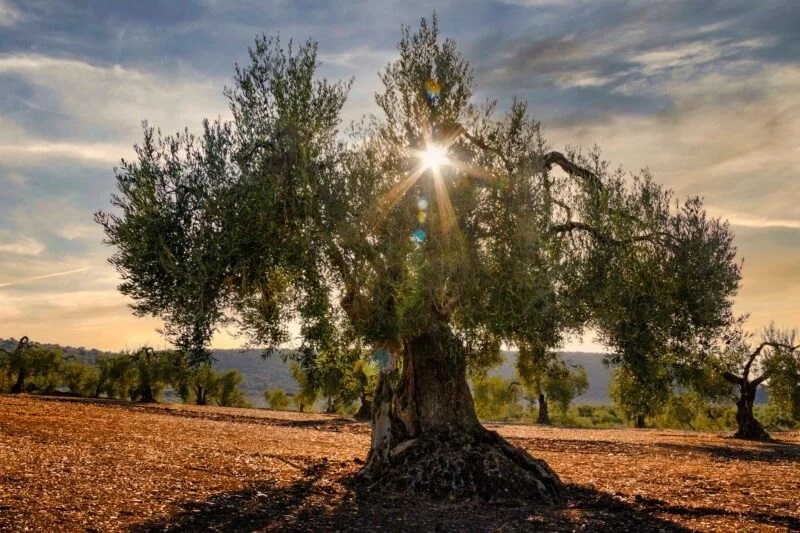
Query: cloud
627,51
729,138
9,15
357,57
581,79
33,151
751,221
44,276
23,246
78,231
43,218
16,178
96,103
95,318
690,56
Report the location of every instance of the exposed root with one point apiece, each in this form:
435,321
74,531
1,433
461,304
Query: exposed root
480,464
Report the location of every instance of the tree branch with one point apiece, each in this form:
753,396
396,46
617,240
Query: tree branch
572,225
758,381
21,345
480,144
757,352
564,206
557,158
447,309
732,378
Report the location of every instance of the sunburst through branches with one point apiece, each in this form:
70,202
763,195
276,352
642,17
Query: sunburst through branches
433,160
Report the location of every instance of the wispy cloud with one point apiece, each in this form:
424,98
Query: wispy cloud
9,15
692,55
79,231
731,139
44,276
37,150
753,221
16,178
23,246
105,101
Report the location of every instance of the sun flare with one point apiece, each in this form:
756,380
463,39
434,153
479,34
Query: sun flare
434,157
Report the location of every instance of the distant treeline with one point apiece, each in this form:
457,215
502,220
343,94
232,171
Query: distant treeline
136,375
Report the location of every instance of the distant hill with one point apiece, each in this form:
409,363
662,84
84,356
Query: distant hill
87,355
259,373
262,373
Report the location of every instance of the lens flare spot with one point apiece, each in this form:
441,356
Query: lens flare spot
432,91
421,217
422,204
419,235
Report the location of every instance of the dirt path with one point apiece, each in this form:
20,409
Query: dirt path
107,466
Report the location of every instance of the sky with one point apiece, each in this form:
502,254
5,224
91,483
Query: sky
704,94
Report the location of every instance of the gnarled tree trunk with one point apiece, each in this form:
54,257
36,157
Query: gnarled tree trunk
747,427
18,356
364,410
19,385
544,412
427,438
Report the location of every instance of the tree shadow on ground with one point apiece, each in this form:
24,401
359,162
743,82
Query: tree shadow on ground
771,451
322,500
652,505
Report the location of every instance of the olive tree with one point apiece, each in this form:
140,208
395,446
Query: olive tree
565,382
746,366
32,366
784,385
433,233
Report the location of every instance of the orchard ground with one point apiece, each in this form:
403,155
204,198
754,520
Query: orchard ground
94,465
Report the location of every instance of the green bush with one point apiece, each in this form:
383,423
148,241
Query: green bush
774,418
496,400
276,399
593,416
81,378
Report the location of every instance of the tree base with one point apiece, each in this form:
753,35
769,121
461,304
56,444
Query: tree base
753,431
467,465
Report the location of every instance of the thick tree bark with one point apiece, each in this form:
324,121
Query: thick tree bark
364,410
433,395
427,438
146,395
640,421
200,396
19,385
747,425
544,413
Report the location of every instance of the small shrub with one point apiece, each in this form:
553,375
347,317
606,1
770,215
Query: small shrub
276,399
